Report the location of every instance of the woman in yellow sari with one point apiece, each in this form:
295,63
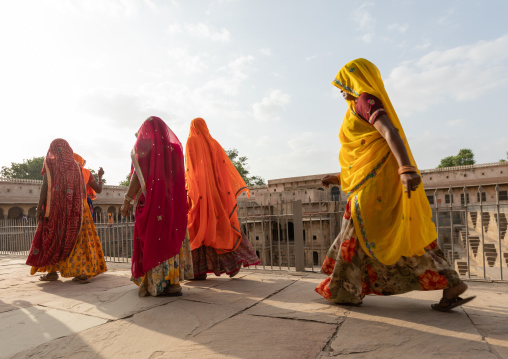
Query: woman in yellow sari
387,244
66,240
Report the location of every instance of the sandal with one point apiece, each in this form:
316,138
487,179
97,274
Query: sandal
50,277
83,279
234,273
199,277
446,305
172,291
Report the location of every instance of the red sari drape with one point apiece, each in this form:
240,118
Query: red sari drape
213,183
161,208
56,234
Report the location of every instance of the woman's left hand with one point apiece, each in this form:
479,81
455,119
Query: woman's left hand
411,181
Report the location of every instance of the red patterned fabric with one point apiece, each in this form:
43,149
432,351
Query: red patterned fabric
369,107
161,211
57,233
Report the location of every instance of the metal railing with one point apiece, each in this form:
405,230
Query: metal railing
473,236
116,237
289,233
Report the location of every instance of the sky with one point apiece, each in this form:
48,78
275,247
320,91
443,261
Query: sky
259,72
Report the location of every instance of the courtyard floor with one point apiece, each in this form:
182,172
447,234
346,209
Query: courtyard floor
258,314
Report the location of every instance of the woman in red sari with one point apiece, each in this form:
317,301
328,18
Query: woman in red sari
161,253
213,183
65,240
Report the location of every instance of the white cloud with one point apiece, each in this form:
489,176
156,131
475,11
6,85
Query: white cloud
271,106
310,58
455,123
364,21
187,62
398,27
460,74
367,38
266,52
200,31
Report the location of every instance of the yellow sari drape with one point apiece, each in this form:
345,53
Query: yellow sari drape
388,224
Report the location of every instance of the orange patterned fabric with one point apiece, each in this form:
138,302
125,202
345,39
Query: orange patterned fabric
86,176
86,257
212,184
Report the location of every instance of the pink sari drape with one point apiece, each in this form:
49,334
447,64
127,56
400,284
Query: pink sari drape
161,207
56,234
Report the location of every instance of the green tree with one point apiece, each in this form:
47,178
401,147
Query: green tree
28,169
502,159
126,182
240,164
464,157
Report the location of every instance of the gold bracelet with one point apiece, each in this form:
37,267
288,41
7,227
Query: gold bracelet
127,198
406,169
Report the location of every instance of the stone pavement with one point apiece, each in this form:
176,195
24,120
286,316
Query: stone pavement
258,314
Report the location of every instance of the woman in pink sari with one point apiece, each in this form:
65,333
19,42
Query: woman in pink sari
161,254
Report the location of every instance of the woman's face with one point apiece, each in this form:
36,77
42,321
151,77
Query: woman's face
347,96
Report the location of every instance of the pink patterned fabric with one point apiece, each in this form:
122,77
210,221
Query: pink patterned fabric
161,210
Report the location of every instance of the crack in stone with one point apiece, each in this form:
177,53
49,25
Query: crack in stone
295,319
244,309
327,348
482,334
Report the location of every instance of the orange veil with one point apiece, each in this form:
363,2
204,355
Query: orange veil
212,184
86,176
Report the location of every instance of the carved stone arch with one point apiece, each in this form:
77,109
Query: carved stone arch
32,212
15,213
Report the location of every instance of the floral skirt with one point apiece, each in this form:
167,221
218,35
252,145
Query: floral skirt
353,274
86,258
169,272
207,260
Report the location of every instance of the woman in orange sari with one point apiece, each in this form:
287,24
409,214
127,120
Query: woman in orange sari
65,240
213,183
387,244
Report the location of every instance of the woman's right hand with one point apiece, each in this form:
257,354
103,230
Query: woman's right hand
124,210
330,179
40,214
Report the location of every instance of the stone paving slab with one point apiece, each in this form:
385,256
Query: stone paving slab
154,331
29,327
258,314
300,301
399,324
247,337
242,292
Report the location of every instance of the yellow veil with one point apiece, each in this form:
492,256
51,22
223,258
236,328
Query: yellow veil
388,224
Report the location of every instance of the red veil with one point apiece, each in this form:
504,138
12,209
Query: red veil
213,183
161,211
56,234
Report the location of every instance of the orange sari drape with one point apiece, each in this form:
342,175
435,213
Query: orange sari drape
86,176
212,184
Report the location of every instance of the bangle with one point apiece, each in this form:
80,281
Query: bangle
127,198
406,169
